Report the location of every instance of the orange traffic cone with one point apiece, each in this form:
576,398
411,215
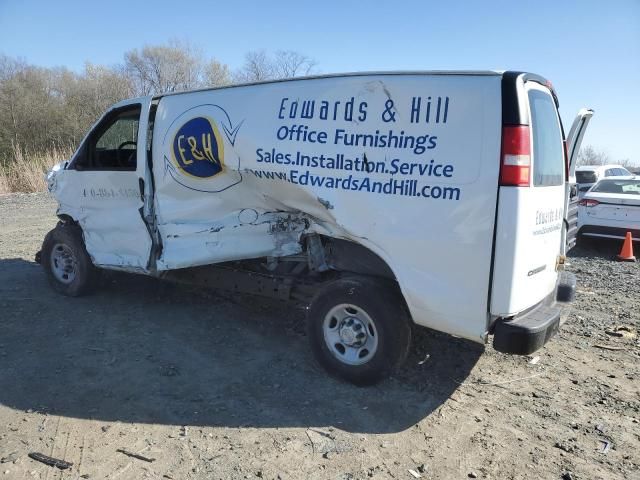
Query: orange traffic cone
626,254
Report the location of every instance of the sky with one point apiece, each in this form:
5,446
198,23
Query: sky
590,50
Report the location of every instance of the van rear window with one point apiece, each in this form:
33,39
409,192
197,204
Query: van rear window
548,156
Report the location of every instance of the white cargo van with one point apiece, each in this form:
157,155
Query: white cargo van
383,200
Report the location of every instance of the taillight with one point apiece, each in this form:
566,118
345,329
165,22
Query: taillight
516,156
588,202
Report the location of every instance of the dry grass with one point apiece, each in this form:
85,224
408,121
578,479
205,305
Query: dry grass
25,171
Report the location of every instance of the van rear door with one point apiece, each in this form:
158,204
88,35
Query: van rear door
531,200
574,140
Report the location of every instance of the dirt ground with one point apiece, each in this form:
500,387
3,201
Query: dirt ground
217,386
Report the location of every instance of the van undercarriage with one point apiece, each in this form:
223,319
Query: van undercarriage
293,277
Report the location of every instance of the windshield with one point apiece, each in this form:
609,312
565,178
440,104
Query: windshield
627,187
586,177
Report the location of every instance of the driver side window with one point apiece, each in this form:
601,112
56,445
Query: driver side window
113,144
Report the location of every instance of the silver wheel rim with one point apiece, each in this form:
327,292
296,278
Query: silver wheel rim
63,263
350,334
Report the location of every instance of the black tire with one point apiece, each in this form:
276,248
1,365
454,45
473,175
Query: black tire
383,304
68,237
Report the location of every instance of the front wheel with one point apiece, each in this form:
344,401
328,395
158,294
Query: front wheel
66,262
358,329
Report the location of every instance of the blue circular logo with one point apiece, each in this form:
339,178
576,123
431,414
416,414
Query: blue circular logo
198,149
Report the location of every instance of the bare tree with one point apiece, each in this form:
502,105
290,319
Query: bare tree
31,105
259,66
10,66
628,164
88,95
174,67
42,108
216,74
10,69
288,64
590,156
159,69
45,107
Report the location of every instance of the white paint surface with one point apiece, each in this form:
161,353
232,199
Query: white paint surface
438,248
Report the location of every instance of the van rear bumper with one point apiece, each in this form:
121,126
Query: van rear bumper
527,332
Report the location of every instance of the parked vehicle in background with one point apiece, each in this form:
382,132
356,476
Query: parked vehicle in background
378,199
611,209
588,175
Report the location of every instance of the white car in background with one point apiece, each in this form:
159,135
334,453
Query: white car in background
611,209
588,175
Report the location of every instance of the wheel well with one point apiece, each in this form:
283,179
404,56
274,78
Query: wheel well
67,219
352,257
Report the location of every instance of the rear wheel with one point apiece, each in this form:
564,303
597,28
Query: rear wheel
358,329
66,262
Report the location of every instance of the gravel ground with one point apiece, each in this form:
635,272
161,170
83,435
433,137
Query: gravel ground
219,386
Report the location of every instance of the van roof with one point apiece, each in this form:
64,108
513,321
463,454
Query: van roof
347,74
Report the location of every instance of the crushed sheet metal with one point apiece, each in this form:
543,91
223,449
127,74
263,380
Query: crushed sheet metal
239,235
106,206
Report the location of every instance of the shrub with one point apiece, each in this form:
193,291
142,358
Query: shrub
25,171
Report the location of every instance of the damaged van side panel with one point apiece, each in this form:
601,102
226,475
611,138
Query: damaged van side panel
401,164
106,206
